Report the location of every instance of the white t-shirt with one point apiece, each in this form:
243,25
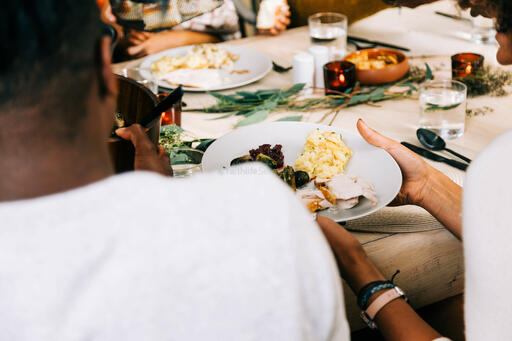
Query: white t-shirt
488,243
143,257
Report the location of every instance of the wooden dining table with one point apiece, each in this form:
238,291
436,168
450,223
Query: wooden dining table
408,238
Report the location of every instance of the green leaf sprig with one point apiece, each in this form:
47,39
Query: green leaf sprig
257,106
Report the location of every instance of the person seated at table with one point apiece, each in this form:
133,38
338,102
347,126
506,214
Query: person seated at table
355,10
89,255
219,25
487,199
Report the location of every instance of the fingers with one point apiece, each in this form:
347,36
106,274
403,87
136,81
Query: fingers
147,156
136,134
137,50
373,137
165,160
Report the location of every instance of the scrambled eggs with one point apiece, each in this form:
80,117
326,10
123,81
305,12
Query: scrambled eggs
205,56
324,155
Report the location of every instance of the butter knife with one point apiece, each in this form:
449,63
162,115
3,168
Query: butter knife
435,157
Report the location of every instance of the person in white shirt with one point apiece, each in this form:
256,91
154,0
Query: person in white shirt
487,200
89,255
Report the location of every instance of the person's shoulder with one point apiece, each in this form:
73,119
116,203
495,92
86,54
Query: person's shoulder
252,184
487,188
493,163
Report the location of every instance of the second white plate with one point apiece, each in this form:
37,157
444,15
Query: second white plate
256,63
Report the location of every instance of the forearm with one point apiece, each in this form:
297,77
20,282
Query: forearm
443,199
397,321
181,38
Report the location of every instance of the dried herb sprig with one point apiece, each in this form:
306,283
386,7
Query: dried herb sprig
256,106
488,81
479,111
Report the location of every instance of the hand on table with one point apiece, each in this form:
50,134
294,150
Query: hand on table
147,156
139,44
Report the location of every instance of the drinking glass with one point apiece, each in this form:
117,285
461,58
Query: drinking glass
185,161
329,29
134,73
483,30
443,107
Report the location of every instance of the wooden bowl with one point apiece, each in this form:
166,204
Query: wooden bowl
388,74
135,102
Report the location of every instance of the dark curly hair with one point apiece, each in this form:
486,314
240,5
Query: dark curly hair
502,8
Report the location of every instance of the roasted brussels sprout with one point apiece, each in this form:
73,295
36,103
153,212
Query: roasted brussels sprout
301,178
267,160
241,159
288,176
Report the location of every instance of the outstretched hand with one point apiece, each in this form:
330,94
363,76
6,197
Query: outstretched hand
415,170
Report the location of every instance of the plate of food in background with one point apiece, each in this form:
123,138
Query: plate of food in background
206,67
332,171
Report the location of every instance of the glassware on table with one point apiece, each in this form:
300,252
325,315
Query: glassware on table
185,161
171,116
443,107
329,29
338,77
483,30
134,73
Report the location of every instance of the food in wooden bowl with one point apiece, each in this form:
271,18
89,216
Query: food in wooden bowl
378,66
134,105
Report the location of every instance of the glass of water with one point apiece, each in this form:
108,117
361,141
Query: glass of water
443,107
185,161
330,30
483,30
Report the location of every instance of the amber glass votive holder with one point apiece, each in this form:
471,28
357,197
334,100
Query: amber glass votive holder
171,116
339,76
466,64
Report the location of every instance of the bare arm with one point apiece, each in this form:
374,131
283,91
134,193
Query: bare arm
443,199
143,44
397,321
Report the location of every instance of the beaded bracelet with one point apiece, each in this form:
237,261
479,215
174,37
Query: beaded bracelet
368,290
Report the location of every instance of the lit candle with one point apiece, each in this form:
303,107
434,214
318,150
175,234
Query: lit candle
339,76
173,115
466,64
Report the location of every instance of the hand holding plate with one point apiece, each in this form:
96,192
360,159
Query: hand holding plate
415,170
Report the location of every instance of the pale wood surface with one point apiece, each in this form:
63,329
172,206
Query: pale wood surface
430,262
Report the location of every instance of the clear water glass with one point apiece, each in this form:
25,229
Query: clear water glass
330,30
483,30
186,162
443,107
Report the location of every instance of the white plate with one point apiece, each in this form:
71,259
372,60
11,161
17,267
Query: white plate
257,63
368,162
